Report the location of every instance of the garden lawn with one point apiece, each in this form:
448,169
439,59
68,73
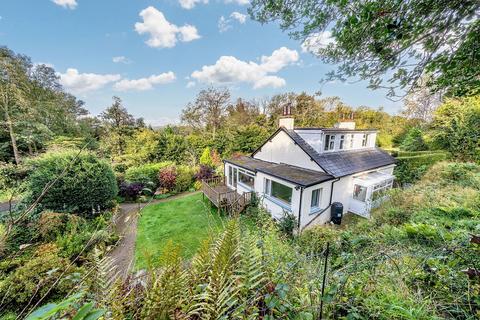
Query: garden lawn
186,221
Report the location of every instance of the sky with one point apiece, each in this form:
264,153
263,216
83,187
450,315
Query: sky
158,54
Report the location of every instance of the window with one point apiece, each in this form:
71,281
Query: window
316,198
351,140
359,192
342,140
230,175
278,191
364,140
246,179
329,142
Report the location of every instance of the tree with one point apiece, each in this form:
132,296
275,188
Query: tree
399,39
414,141
421,103
118,126
208,110
13,84
455,124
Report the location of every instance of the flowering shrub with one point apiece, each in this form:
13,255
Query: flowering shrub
167,178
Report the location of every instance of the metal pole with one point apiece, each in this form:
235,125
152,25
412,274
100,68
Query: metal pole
327,251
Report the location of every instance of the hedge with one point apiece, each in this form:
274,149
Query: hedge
88,183
146,173
411,168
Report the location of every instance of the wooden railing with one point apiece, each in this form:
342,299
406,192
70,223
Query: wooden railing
212,190
223,198
240,203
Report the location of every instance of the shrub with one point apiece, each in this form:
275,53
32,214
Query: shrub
131,190
88,182
206,157
146,173
287,224
410,169
315,239
51,224
204,172
167,178
33,279
413,141
184,178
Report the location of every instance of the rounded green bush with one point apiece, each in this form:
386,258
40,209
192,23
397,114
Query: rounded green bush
89,183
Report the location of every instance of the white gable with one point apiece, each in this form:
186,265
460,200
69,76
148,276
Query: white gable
282,149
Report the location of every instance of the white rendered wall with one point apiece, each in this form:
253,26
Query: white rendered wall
282,149
275,209
320,217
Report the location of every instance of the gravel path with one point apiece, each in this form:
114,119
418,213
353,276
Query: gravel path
123,254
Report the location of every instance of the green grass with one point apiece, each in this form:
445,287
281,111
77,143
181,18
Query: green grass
186,221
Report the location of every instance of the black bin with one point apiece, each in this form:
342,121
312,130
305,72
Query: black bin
337,212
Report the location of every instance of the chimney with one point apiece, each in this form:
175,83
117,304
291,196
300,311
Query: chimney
346,123
286,120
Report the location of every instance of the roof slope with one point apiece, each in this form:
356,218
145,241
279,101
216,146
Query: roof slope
343,163
300,176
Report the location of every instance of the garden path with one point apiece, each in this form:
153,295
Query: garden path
122,256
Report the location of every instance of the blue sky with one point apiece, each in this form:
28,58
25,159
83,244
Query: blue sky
156,55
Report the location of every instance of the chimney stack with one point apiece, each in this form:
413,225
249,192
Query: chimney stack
286,120
346,123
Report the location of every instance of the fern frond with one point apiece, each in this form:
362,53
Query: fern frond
168,292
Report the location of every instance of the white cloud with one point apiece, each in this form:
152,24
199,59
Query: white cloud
240,17
223,24
121,59
226,24
163,34
70,4
317,41
190,84
228,70
83,82
143,84
189,4
162,121
239,2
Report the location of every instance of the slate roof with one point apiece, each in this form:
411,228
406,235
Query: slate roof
300,176
343,163
249,163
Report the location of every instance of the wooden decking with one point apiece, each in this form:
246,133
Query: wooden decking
225,198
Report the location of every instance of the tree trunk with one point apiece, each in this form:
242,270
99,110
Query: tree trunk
12,137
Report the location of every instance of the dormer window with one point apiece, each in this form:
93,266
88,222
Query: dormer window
364,140
342,142
351,140
329,142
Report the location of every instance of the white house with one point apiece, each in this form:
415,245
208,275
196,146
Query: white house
304,170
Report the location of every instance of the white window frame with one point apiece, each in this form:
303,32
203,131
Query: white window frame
268,193
341,144
365,140
329,142
319,196
247,173
352,140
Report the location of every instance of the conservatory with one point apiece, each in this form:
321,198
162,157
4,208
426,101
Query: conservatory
369,190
